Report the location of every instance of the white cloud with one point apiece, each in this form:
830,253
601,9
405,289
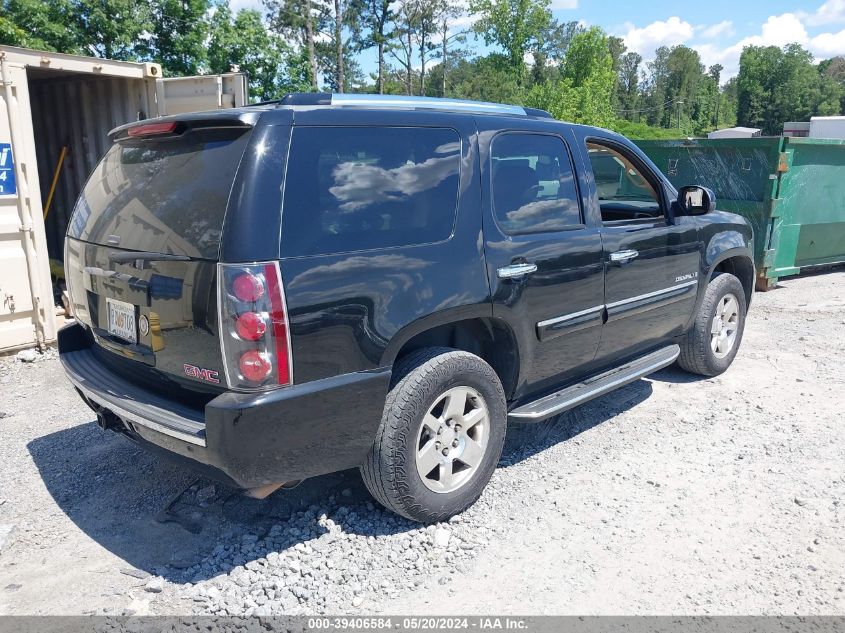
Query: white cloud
660,33
725,28
826,45
831,12
777,30
563,4
246,4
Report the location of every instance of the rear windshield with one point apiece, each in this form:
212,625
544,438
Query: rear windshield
351,189
167,195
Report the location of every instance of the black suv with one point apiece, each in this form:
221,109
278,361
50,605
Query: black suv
337,281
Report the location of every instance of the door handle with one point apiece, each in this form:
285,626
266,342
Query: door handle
514,271
623,257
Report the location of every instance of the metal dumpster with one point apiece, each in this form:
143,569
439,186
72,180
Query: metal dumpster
792,191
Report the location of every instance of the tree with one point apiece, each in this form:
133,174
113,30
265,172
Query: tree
404,27
628,83
37,24
684,76
832,72
654,88
301,20
484,79
715,73
447,38
775,85
244,42
179,34
516,26
428,15
377,14
112,29
550,51
584,92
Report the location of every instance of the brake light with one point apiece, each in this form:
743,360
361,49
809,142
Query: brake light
248,287
250,326
254,330
152,129
255,366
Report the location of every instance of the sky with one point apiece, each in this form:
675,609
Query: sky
717,29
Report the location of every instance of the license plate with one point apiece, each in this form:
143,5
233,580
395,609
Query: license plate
122,320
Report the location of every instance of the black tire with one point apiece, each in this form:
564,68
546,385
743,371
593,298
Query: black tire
390,471
696,356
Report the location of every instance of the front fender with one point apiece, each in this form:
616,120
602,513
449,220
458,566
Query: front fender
724,245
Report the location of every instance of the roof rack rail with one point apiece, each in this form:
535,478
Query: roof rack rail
401,101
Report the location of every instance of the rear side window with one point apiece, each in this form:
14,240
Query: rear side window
533,184
355,188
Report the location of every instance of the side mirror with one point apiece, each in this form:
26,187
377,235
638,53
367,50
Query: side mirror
695,200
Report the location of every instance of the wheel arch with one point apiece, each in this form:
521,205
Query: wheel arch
489,338
741,266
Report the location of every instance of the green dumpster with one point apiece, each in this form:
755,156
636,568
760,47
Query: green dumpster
791,190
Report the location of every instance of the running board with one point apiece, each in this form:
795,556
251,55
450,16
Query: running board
594,387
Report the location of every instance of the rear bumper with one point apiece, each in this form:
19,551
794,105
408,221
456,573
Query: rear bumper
244,439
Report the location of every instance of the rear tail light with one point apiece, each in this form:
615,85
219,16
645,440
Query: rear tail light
254,330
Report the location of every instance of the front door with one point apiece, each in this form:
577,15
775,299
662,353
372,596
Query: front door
543,262
651,262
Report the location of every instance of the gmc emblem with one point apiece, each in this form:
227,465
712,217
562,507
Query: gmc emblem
208,375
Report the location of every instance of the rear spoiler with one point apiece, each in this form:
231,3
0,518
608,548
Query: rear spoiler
177,125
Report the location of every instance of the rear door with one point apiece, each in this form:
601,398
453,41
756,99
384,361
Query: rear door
544,262
142,250
651,261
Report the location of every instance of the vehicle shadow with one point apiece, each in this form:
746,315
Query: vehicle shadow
162,520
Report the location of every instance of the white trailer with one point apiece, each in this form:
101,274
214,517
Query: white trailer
827,127
55,114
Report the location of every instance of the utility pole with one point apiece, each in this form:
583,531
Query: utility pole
680,103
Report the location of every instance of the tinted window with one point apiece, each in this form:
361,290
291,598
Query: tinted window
166,195
533,184
623,190
350,189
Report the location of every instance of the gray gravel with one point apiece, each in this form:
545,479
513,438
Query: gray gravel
672,495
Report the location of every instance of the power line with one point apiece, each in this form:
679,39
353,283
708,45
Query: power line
651,109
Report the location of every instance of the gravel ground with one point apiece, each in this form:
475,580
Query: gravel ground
672,495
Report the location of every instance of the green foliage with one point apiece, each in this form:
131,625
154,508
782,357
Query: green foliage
578,74
583,93
782,84
38,24
515,26
179,34
243,41
113,29
485,79
643,131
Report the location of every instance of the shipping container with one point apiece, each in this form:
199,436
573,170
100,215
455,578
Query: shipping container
55,114
791,190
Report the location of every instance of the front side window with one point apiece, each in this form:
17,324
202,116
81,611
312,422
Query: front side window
358,188
623,190
533,184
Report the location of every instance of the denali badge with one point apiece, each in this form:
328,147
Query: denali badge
685,277
208,375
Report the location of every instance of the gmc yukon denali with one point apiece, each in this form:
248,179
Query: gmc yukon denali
336,281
